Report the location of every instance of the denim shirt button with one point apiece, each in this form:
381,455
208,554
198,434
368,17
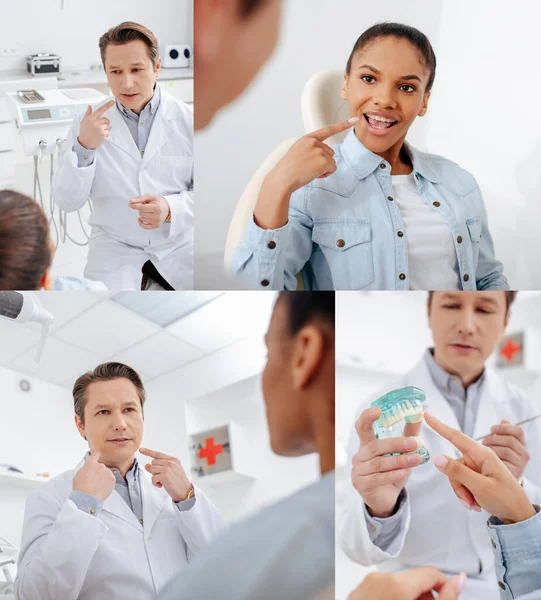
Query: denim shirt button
340,243
493,543
502,585
400,234
401,277
265,283
390,198
459,239
466,277
436,204
382,166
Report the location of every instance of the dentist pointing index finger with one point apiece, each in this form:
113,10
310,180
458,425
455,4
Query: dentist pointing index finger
137,145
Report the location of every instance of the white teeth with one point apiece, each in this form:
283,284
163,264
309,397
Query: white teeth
378,118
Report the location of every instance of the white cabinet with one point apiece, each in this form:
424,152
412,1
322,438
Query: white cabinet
179,88
221,455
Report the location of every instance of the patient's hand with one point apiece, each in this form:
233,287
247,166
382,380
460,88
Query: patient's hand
479,478
309,158
416,584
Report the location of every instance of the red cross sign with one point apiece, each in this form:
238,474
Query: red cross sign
210,451
510,349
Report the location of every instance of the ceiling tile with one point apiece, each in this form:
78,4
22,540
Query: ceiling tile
15,338
164,309
159,354
60,362
65,306
106,329
229,318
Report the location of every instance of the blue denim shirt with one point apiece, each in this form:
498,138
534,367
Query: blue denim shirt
343,231
517,557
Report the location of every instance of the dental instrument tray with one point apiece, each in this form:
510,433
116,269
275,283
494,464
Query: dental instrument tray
30,96
398,407
37,64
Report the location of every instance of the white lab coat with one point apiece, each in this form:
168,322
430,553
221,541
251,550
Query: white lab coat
119,246
438,530
67,554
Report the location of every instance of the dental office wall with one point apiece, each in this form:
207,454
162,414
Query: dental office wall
482,117
315,36
35,26
381,335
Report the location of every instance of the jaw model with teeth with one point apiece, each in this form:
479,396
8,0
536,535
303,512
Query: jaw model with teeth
403,405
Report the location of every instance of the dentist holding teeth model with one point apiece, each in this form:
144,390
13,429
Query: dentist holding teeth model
400,515
372,213
109,528
133,158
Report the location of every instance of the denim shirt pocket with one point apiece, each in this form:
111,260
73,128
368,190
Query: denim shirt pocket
344,252
474,228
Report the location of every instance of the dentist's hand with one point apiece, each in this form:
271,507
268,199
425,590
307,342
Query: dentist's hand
309,158
415,584
94,478
479,478
379,479
508,443
167,472
153,210
95,127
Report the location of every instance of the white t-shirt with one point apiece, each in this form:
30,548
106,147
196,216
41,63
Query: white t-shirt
432,258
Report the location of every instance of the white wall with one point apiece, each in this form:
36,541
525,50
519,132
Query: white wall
37,435
483,117
315,36
36,26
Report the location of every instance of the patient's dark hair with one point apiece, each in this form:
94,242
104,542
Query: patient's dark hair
402,32
304,307
25,254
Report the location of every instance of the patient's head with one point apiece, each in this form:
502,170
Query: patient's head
233,40
389,75
26,250
298,380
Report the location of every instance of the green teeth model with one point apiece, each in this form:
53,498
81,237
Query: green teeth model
403,405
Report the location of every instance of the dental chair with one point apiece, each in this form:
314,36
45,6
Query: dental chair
321,105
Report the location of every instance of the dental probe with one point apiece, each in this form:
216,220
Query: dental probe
516,425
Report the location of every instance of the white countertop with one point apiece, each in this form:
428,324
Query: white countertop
85,76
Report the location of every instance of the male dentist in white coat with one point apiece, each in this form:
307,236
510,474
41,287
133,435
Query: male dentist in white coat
400,515
133,158
108,529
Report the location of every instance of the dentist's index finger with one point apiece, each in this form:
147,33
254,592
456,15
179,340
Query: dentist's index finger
327,132
459,440
103,109
153,453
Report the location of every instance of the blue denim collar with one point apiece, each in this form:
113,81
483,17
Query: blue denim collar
363,162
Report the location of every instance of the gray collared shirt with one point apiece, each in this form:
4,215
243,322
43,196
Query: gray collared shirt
128,488
139,126
465,404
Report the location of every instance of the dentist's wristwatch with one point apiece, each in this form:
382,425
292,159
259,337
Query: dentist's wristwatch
190,495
